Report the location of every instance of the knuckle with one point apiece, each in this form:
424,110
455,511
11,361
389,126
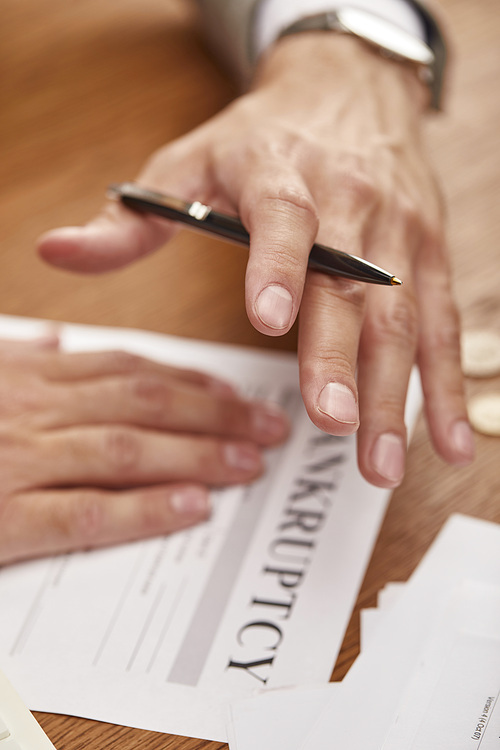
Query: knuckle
443,393
232,418
18,400
292,205
123,361
397,322
17,451
434,223
335,362
331,289
286,220
340,364
352,292
122,448
434,255
152,392
361,187
392,406
444,338
208,460
86,522
411,213
10,443
281,261
298,200
153,514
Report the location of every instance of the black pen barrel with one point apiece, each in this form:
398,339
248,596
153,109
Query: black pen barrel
336,263
321,258
324,259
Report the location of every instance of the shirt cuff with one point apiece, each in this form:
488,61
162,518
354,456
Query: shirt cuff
273,16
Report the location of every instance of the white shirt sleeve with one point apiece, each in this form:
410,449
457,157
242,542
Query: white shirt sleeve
273,16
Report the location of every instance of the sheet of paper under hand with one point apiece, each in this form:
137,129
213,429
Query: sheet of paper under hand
163,634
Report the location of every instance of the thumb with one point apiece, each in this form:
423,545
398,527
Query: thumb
113,239
118,235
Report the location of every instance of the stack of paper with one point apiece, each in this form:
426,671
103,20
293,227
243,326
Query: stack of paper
429,672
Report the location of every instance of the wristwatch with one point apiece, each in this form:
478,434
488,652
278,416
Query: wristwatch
388,39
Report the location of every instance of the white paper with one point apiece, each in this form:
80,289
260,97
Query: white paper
277,719
371,617
437,684
149,634
452,699
283,718
360,715
389,595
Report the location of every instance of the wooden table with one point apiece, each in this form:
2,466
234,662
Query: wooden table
90,88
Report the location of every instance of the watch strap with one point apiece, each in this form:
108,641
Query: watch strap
436,41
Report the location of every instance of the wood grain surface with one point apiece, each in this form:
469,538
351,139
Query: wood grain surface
89,89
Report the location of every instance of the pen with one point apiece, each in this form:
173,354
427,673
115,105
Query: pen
204,218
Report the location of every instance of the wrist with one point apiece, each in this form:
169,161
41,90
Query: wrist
311,66
419,43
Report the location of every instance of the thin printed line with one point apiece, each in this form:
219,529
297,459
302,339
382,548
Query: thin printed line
146,626
33,614
118,609
168,621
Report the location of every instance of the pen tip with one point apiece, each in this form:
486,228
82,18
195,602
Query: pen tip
395,281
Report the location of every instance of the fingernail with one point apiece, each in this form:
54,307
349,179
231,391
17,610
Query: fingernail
388,457
274,307
463,439
190,501
269,421
242,457
338,401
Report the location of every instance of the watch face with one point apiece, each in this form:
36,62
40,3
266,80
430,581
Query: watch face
383,34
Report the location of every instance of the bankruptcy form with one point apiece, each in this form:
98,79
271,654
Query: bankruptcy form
163,634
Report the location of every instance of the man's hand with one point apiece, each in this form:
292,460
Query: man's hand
326,146
100,448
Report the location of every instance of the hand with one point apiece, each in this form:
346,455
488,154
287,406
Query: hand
100,448
326,146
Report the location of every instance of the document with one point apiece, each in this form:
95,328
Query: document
452,700
164,634
375,695
277,719
428,675
283,718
